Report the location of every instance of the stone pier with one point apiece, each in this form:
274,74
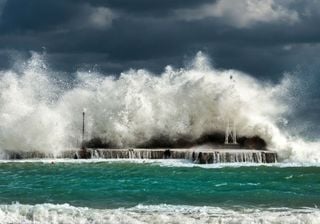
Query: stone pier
196,155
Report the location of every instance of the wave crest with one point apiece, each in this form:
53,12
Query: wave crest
39,111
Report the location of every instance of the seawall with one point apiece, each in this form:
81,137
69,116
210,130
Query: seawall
202,156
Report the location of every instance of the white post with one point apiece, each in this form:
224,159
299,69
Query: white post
226,141
234,134
231,133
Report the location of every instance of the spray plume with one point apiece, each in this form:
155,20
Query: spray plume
40,112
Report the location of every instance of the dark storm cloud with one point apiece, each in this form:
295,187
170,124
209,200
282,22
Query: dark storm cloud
36,15
146,7
116,35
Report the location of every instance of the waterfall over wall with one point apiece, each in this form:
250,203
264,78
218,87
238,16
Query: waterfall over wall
206,156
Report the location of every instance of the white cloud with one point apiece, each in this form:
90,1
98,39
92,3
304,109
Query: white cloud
241,13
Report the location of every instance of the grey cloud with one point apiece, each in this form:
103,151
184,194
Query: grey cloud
91,17
101,17
118,34
241,13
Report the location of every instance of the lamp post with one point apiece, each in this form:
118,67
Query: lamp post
84,154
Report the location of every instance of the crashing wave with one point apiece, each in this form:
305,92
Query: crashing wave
40,111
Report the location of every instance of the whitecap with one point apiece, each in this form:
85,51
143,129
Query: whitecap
65,213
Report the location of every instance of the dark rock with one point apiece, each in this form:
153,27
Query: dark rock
254,142
167,153
84,154
213,138
95,143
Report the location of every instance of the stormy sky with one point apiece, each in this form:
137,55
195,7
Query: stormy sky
264,38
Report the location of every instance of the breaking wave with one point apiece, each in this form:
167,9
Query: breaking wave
64,213
42,110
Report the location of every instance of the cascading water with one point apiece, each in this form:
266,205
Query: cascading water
41,112
203,157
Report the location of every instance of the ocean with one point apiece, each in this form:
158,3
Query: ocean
163,191
46,112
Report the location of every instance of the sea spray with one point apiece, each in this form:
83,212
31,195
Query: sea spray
64,213
39,113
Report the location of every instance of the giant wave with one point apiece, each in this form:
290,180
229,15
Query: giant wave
42,111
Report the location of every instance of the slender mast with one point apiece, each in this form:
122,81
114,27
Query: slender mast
231,131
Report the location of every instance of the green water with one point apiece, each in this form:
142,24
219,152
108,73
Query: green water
114,185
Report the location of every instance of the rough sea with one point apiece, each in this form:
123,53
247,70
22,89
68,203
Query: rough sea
164,191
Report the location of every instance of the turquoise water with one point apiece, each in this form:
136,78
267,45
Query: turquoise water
122,184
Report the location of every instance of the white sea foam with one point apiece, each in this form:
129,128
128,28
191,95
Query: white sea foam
38,111
64,213
165,163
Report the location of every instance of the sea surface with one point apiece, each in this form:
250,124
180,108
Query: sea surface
123,191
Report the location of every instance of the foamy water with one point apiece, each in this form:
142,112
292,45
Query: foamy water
164,191
64,213
40,110
166,163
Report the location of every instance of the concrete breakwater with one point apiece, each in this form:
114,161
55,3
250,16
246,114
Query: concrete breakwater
201,156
